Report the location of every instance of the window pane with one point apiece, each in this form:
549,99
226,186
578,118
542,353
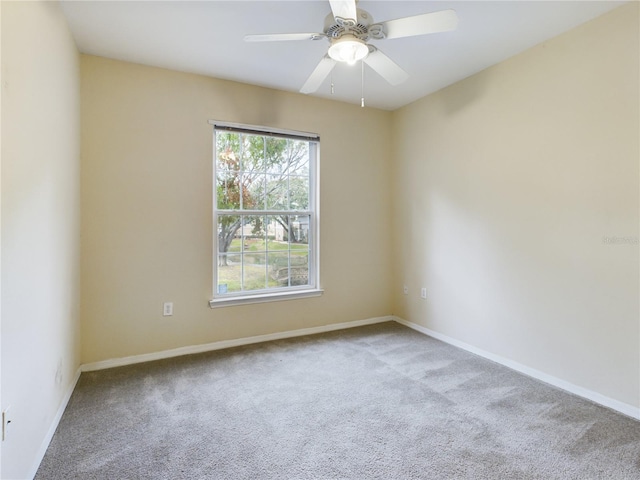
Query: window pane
253,154
289,269
285,187
256,190
299,232
277,192
227,191
278,232
299,274
227,151
299,193
255,272
228,233
229,273
276,158
299,268
248,201
298,157
279,268
254,233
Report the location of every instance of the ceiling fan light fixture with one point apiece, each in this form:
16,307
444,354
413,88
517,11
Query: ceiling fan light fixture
348,49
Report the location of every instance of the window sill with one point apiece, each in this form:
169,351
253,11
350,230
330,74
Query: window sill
265,297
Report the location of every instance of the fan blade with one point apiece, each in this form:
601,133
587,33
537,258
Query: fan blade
319,74
280,37
385,67
345,9
435,22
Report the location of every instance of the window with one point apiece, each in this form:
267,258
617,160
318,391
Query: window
265,217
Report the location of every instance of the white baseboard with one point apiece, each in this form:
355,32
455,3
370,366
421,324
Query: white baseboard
176,352
596,397
54,425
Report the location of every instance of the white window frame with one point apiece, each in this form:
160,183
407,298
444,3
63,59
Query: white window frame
281,293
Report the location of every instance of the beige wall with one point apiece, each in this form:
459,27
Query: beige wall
40,225
509,188
147,213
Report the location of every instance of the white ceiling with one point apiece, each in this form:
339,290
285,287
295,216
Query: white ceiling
206,37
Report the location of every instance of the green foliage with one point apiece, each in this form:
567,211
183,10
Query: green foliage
255,172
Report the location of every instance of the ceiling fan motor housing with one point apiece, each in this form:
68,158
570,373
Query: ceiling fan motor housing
363,28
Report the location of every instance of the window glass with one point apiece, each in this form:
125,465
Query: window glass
264,213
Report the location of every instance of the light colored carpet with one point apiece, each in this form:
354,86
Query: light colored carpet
380,401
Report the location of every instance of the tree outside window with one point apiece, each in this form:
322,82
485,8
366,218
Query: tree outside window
264,213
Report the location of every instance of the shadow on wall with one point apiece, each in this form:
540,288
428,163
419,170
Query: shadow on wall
252,106
466,94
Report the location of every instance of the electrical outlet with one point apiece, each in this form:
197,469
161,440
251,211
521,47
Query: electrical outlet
405,289
423,293
6,421
167,309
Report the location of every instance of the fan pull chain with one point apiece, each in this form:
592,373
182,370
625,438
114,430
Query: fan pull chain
362,74
332,91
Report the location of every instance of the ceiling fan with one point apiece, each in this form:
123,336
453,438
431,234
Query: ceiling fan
348,30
